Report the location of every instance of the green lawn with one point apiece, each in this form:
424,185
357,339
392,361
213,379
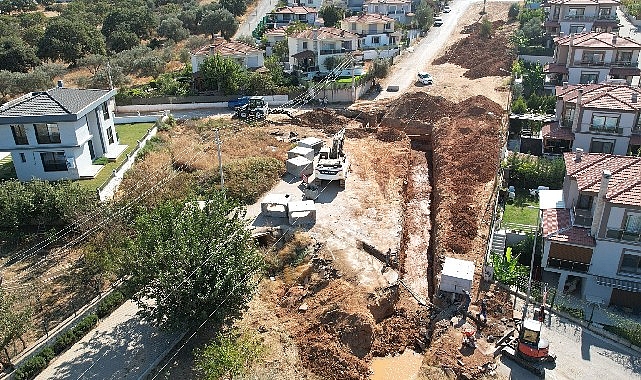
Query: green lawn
127,134
523,210
348,80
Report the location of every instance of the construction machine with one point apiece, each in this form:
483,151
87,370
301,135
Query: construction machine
256,108
332,163
529,349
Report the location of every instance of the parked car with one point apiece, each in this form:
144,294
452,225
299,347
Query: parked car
438,21
239,102
447,9
425,78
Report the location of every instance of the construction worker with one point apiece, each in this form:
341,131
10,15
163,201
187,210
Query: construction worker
483,314
465,303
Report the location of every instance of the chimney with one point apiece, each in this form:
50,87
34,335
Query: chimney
614,39
600,203
565,84
60,83
635,97
579,153
576,126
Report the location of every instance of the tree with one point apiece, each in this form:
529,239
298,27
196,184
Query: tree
121,40
236,7
331,62
221,74
231,354
195,264
14,321
513,12
15,55
70,40
424,15
220,21
173,29
486,28
380,68
533,31
507,268
93,62
281,51
519,106
7,82
8,6
331,15
140,21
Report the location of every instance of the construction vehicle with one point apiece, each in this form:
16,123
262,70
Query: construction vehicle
256,108
332,163
529,349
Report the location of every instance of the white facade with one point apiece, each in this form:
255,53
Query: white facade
305,3
396,9
54,147
580,16
319,44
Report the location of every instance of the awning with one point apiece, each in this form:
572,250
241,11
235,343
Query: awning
625,71
304,54
630,286
555,68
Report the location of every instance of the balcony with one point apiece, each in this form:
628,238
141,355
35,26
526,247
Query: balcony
618,63
606,129
54,166
333,51
623,235
582,217
568,265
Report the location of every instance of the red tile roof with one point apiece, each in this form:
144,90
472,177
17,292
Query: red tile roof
598,40
555,68
325,33
369,18
583,2
295,10
553,131
223,47
624,184
610,96
557,226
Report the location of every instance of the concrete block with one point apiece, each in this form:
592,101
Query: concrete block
302,212
311,142
308,153
275,205
298,166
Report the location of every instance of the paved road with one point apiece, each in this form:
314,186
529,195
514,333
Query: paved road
580,355
249,24
121,347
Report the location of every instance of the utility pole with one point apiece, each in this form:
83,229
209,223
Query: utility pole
353,84
111,83
220,162
529,284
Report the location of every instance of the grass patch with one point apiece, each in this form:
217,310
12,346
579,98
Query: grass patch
246,179
629,331
523,210
349,79
127,134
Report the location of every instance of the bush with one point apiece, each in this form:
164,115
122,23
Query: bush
519,106
101,161
630,331
536,50
229,355
110,303
64,341
85,325
31,368
513,12
529,172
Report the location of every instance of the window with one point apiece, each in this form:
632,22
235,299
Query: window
576,12
631,263
624,57
47,133
310,1
602,146
593,57
604,123
110,135
576,28
388,25
584,202
633,224
54,161
105,111
588,77
19,134
23,158
304,45
605,12
376,40
568,115
353,26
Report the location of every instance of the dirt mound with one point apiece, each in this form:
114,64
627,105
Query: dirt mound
420,106
390,135
327,120
475,48
381,304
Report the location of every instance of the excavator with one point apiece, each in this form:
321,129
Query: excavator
332,163
529,349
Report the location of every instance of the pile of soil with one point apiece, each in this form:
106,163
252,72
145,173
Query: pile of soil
469,51
327,120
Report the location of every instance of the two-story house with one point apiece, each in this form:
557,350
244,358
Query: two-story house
305,3
577,16
598,118
310,48
592,58
288,15
396,9
56,134
594,242
375,30
246,55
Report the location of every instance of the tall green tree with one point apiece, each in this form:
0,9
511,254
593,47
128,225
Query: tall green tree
331,15
221,74
121,40
172,28
424,15
193,263
140,21
236,7
70,40
14,321
8,6
15,55
219,21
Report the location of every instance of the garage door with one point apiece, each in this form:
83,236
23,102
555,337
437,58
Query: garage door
625,298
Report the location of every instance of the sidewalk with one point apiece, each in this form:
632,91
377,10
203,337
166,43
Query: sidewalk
122,346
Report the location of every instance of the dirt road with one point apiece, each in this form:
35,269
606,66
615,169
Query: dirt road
250,21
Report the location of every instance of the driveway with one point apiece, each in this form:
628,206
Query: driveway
253,18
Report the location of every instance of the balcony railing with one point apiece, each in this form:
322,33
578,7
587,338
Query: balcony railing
605,129
592,63
582,18
582,217
568,265
623,235
54,166
333,51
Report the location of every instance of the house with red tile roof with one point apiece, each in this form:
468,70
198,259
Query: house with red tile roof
592,57
375,31
598,118
576,16
399,10
246,55
595,240
309,49
287,15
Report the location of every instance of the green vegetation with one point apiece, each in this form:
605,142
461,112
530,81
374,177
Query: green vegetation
13,320
247,178
627,330
331,15
486,28
634,7
230,355
128,134
530,172
524,214
507,269
7,169
572,311
424,15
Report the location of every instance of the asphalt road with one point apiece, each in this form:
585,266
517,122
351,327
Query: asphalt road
249,24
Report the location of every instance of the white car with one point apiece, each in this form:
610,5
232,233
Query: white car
438,21
425,78
447,9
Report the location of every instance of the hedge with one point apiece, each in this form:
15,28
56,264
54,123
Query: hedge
110,303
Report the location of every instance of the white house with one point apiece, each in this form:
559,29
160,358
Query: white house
305,3
576,16
594,242
399,10
310,48
246,55
593,58
272,37
288,15
56,134
598,118
375,30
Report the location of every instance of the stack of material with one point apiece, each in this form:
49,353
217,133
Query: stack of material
308,153
311,142
298,166
275,205
302,212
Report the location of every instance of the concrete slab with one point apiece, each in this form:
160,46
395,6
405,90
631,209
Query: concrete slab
311,142
298,166
302,212
308,153
275,205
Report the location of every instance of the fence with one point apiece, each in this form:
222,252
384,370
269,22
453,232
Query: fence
275,100
525,228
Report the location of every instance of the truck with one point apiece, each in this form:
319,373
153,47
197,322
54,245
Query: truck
256,109
332,164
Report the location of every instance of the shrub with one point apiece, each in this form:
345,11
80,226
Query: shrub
85,325
64,341
513,12
31,368
110,303
101,161
630,331
528,172
519,106
229,355
486,28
